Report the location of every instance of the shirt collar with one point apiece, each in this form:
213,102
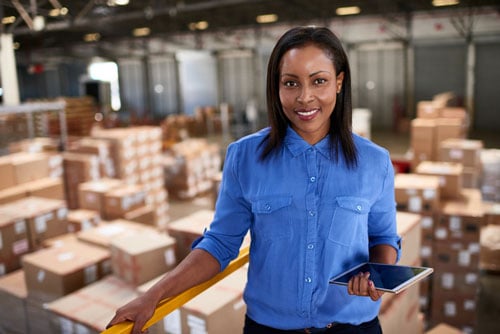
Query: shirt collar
297,145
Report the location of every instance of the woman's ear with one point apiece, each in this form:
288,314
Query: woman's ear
340,79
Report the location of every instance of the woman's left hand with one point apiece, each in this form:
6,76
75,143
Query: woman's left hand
361,285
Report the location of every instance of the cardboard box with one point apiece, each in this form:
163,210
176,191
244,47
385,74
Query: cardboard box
49,187
450,176
78,168
456,256
12,194
417,193
91,193
491,213
189,228
461,219
45,218
462,282
56,271
447,128
464,151
29,166
89,309
427,109
7,174
103,234
82,219
144,215
140,257
123,199
219,309
13,295
422,138
455,309
99,147
14,241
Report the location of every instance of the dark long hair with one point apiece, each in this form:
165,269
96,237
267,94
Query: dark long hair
340,133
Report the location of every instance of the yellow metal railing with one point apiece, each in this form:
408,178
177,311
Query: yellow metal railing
170,304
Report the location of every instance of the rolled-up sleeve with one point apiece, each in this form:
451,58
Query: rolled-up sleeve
382,227
232,216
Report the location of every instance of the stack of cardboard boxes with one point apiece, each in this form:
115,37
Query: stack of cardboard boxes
443,186
136,154
190,167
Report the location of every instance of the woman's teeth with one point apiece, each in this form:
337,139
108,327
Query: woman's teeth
307,113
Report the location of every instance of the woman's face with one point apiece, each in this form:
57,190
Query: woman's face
308,91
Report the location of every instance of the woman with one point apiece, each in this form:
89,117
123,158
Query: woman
316,198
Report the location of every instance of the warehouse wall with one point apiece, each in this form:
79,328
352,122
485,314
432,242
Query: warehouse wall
487,101
440,67
378,81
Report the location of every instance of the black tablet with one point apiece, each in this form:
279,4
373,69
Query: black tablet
386,277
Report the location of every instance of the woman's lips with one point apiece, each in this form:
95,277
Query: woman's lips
306,114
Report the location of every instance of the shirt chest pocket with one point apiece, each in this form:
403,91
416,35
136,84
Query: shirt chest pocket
349,221
272,216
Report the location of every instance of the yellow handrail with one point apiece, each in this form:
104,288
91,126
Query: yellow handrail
170,304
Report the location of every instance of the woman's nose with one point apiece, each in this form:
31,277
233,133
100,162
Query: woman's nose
305,95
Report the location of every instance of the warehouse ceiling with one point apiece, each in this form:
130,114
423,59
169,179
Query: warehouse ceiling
42,24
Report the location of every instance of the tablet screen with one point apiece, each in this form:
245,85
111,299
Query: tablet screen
386,277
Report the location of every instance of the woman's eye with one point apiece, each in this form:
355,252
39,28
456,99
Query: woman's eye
290,83
319,81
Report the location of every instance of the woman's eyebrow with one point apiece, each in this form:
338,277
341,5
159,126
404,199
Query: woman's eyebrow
310,75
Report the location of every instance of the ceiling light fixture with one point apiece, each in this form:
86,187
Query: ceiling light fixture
200,25
94,37
141,32
8,20
112,3
58,12
351,10
441,3
266,18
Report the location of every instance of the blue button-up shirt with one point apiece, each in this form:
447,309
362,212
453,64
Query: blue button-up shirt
310,218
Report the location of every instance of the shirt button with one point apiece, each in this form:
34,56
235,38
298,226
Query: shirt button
359,207
267,207
312,179
308,280
311,213
310,246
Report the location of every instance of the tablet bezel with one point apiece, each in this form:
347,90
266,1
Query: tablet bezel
409,281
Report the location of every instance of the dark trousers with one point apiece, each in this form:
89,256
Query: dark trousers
369,327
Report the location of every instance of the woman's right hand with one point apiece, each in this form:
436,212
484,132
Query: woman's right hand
139,311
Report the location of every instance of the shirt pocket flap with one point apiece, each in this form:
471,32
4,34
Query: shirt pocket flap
358,205
271,204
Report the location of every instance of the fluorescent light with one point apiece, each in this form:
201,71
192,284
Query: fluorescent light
267,18
141,32
441,3
352,10
8,20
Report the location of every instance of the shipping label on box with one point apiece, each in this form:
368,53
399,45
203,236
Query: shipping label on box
417,193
